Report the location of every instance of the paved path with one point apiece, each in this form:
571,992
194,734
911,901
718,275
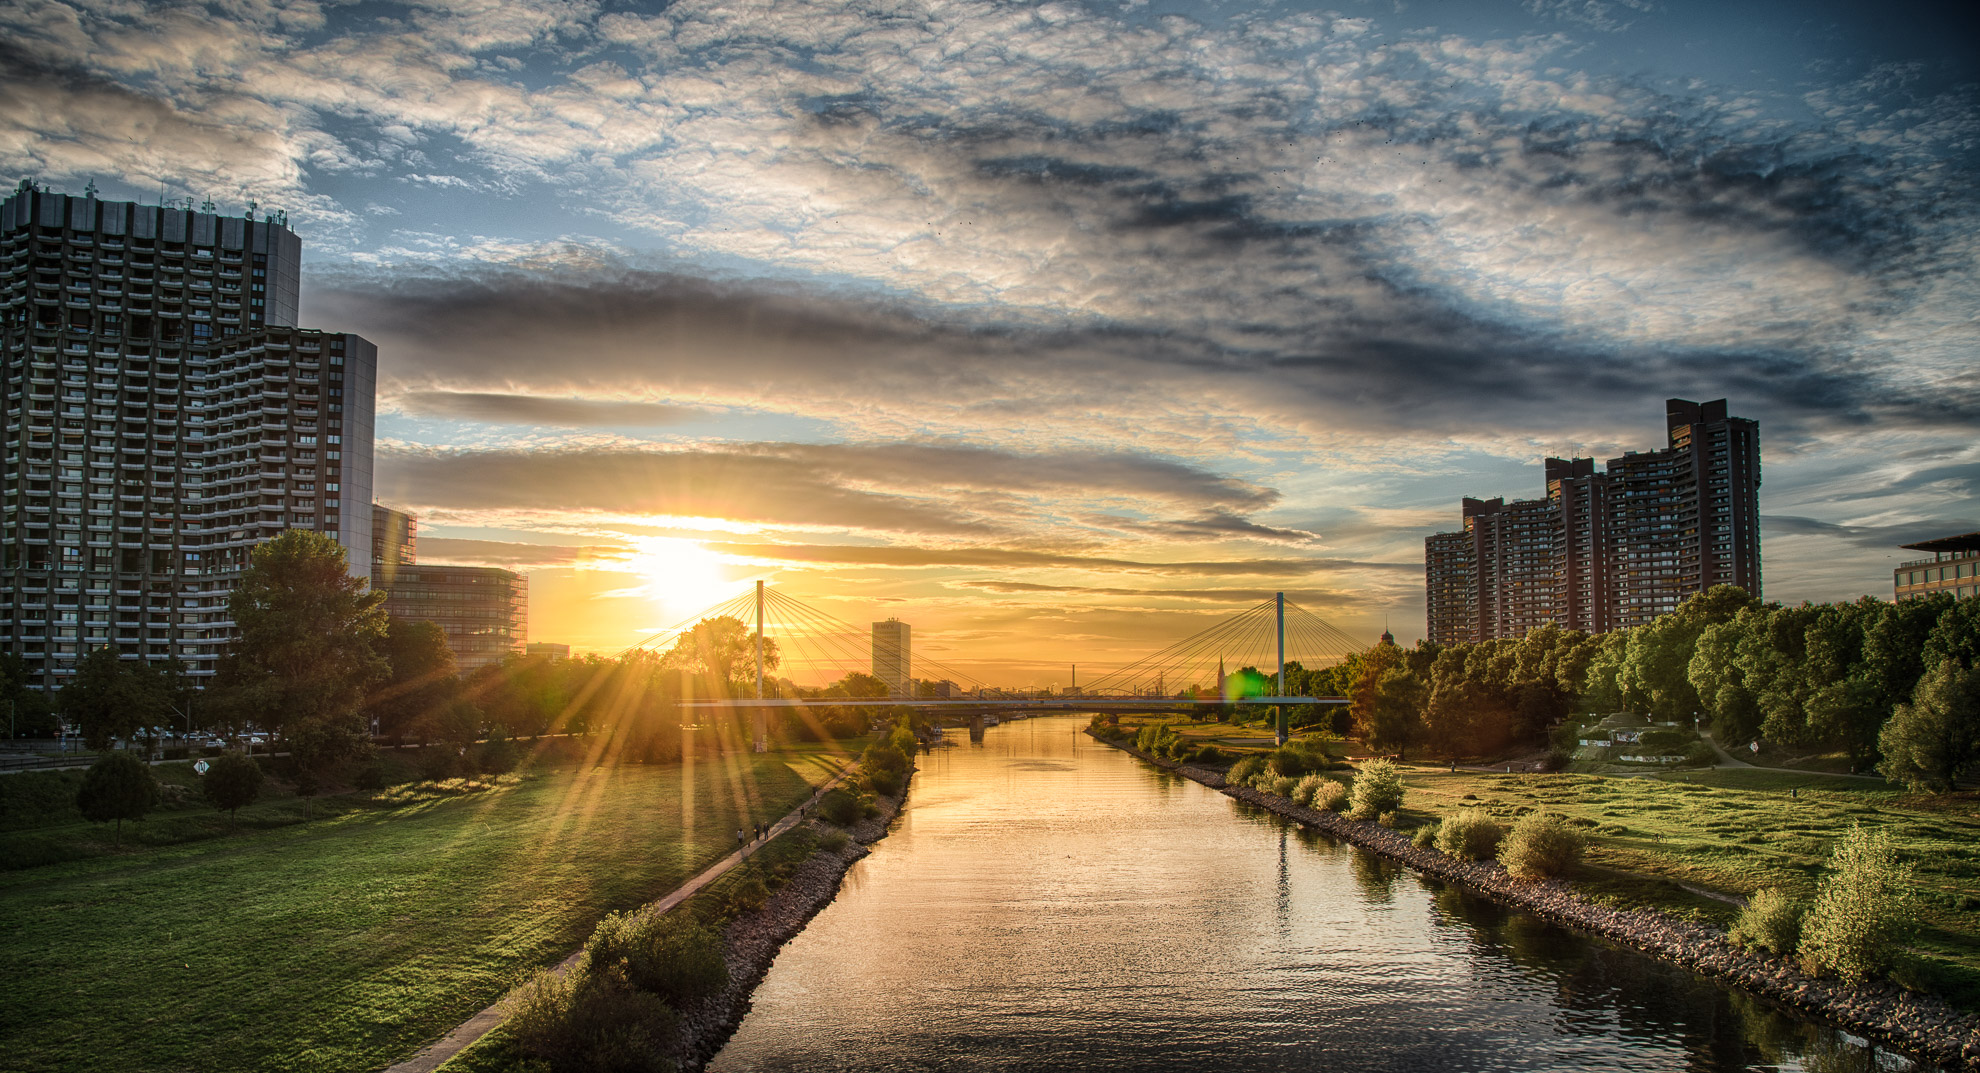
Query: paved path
430,1059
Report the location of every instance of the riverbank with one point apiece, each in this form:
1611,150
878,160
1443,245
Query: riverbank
1921,1025
751,941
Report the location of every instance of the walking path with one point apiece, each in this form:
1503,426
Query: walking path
463,1036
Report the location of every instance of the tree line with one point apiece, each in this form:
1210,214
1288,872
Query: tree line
317,663
1896,686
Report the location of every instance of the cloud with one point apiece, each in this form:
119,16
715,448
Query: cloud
540,410
919,488
1020,558
1884,538
510,554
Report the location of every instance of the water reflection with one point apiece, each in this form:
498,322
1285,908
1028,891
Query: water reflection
1046,902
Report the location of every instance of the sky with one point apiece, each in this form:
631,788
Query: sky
1061,330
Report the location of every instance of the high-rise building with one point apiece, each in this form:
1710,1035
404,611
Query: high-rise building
893,655
164,416
483,610
1609,549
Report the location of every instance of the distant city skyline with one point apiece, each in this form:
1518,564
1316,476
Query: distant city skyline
1063,328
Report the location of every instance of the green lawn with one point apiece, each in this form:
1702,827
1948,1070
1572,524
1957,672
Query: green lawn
351,941
1735,831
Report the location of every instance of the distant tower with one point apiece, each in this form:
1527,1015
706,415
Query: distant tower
893,654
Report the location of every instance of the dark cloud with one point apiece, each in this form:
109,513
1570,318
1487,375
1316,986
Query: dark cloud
910,488
508,553
1887,538
1019,558
540,410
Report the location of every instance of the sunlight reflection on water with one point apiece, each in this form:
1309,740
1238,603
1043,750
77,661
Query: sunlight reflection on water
1046,902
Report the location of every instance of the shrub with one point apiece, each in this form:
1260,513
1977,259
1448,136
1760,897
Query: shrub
669,955
1208,754
748,894
1425,836
498,756
1863,911
884,782
1308,786
1282,786
833,841
438,763
371,777
1771,921
117,787
1556,760
1329,796
1542,845
839,807
1377,789
1242,771
1700,755
1470,834
583,1021
231,782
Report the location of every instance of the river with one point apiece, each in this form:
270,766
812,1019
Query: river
1046,902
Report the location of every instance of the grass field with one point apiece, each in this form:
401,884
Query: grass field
1672,840
351,941
1732,831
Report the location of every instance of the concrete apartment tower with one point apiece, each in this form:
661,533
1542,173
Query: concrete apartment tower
164,415
893,655
1610,549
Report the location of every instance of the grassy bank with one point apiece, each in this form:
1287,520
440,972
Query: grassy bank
350,941
1660,842
1686,842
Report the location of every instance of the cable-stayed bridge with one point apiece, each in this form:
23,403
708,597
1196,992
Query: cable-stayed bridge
1239,660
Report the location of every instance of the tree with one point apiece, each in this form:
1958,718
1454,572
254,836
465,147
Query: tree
29,715
1934,739
117,787
112,698
308,636
420,676
1654,675
231,782
722,651
1395,719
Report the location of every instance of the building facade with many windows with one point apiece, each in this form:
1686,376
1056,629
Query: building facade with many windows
164,415
1609,549
893,656
483,610
1952,567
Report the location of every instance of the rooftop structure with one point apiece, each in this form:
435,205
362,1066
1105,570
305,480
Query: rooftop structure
1953,568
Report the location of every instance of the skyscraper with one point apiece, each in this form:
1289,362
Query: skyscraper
164,415
1606,550
893,655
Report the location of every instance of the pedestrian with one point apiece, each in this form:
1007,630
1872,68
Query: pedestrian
739,838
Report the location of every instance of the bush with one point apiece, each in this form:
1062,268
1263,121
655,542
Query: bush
1377,789
1542,845
1241,772
1771,921
583,1021
1329,796
438,763
1556,760
1425,836
833,841
1469,834
749,894
117,787
1281,786
884,782
498,756
1863,911
839,807
372,777
231,782
1208,754
1701,755
669,955
1308,786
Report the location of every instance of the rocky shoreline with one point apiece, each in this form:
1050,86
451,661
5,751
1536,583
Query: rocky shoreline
1922,1026
751,941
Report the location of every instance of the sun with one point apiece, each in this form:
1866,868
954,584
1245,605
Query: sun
679,575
